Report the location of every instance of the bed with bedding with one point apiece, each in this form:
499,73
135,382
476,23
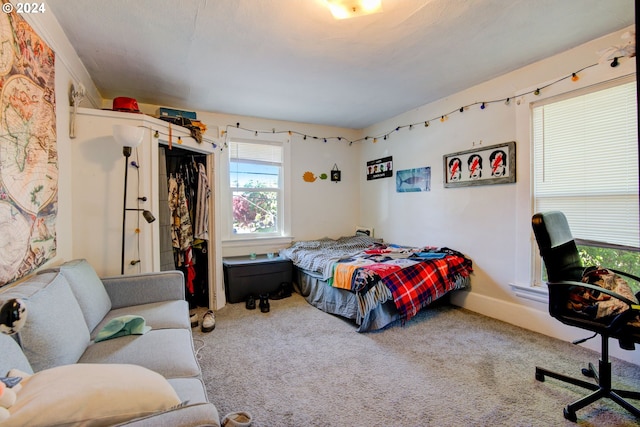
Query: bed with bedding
373,283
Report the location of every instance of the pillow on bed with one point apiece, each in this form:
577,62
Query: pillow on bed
364,231
90,395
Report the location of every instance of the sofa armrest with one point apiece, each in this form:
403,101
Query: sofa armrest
202,414
144,288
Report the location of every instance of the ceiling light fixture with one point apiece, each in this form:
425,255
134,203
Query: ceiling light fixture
343,9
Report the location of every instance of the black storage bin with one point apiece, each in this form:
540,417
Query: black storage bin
244,276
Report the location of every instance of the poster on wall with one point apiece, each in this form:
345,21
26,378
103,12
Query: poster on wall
380,168
28,149
410,180
495,164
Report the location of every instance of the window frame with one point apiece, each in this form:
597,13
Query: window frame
537,267
226,199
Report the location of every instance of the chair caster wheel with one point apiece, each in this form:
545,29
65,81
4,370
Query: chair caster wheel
570,415
540,377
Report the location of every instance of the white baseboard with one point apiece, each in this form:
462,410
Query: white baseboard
535,320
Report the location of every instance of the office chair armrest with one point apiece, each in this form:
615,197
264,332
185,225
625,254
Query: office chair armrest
614,324
568,283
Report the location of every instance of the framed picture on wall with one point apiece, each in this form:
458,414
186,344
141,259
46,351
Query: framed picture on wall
411,180
380,168
495,164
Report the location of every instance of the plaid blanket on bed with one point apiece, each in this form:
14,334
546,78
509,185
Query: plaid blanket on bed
412,282
416,286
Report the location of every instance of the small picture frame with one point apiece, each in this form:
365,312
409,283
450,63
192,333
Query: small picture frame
335,175
380,168
495,164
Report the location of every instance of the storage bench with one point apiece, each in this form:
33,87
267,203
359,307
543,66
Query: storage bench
244,276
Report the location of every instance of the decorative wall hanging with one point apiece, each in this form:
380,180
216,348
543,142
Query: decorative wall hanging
28,150
410,180
380,168
495,164
309,177
335,173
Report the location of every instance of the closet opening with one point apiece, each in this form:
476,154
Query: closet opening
185,198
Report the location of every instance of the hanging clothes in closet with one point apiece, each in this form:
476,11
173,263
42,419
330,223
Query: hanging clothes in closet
188,201
202,204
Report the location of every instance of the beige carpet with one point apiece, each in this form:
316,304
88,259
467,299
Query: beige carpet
298,366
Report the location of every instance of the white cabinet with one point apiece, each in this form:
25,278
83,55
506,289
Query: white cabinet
98,167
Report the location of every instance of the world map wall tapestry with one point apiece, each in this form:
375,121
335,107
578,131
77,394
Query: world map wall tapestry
28,149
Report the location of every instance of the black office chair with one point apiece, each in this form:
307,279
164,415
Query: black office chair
564,271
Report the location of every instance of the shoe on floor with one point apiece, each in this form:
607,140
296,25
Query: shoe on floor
194,319
208,321
251,302
283,292
236,419
264,303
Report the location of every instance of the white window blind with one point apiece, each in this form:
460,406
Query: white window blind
586,163
262,152
259,162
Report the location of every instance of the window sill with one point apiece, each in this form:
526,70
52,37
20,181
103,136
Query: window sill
257,241
533,293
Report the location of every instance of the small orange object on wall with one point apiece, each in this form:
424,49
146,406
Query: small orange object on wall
309,177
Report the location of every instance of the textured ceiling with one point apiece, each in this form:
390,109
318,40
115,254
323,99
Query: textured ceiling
290,60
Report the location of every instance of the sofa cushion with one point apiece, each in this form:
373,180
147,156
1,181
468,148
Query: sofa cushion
168,352
90,395
12,356
157,315
88,289
145,288
55,332
200,414
190,390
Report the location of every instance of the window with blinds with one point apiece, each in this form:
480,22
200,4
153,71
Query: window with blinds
255,178
585,154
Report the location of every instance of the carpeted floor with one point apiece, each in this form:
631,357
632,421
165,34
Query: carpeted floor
298,366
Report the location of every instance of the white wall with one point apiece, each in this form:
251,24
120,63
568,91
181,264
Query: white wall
69,71
490,224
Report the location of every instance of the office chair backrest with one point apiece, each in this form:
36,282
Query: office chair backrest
557,247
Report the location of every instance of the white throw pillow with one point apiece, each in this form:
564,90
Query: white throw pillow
90,395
